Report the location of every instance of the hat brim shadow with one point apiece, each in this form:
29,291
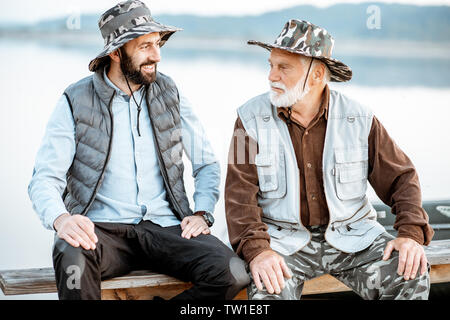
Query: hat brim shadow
339,71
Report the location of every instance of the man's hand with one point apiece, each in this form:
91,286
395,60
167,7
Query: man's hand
76,230
269,267
411,255
192,226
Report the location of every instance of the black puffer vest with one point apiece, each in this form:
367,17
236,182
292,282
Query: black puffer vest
90,101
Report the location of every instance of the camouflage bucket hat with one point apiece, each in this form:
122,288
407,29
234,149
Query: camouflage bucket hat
305,38
124,22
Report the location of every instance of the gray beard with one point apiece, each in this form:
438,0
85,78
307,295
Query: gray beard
290,96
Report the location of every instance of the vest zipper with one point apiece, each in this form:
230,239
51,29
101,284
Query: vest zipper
97,186
365,203
365,215
332,228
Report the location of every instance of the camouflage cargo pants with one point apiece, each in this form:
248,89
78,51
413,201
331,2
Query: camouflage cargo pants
364,272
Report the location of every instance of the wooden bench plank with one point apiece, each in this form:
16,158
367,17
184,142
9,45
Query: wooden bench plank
140,279
42,280
323,284
165,292
438,252
440,273
28,281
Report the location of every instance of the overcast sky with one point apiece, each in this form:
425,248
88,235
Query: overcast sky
32,10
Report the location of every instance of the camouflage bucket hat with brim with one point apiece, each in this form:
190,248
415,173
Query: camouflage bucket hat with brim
305,38
124,22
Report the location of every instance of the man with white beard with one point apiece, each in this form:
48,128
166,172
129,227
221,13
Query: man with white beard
295,194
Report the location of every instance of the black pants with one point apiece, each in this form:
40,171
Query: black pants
214,269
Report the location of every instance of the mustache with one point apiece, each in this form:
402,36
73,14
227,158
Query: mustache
148,62
278,85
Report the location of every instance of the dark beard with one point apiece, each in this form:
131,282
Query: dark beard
135,75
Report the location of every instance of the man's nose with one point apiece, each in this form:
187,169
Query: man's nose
274,76
155,54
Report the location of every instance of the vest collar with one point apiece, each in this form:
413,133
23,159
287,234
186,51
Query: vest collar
112,85
103,90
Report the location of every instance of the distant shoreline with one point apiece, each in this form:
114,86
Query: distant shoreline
357,47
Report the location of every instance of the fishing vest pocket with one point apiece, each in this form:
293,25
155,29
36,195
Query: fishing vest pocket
351,171
358,228
277,232
271,174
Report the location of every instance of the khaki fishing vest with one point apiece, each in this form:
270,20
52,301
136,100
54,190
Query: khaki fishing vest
352,222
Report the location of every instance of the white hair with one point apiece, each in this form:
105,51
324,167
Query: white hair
307,60
326,76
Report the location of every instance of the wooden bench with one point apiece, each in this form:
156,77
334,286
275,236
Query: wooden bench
143,285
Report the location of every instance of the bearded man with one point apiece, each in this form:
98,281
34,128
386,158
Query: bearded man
295,193
108,177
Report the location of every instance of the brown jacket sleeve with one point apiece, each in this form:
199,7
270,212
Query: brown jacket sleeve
395,181
248,234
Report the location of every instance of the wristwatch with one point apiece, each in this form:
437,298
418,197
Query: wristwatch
209,219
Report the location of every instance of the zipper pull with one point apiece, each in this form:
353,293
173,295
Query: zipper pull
333,172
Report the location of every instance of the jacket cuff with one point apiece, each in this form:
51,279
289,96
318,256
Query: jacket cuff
411,231
204,204
252,248
51,214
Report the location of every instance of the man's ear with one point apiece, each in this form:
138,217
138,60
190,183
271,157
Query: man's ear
115,56
318,72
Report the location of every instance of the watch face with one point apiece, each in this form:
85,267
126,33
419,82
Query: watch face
209,218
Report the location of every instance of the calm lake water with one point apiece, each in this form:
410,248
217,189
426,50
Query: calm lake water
410,96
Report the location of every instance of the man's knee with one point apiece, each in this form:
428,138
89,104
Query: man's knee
240,277
76,272
227,271
383,276
417,288
234,276
68,258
